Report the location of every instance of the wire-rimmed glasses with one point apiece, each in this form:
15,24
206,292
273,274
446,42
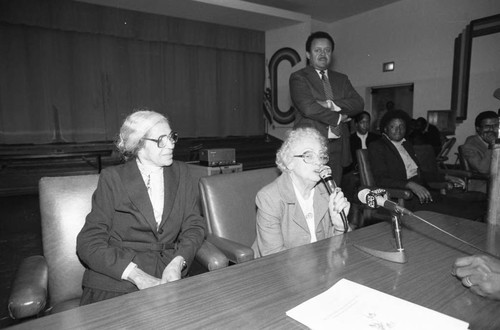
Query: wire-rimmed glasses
310,157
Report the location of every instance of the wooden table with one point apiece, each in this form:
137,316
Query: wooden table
256,294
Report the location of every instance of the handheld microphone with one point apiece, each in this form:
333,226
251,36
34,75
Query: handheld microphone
330,185
378,197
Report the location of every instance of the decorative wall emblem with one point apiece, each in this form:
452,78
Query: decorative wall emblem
283,54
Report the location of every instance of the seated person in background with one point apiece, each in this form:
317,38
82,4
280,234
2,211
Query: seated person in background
145,226
476,149
480,273
362,137
425,133
394,165
296,209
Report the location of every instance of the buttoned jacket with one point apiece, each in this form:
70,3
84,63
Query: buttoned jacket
281,224
121,227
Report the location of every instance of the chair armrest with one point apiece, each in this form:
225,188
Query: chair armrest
458,173
479,176
467,174
28,295
234,251
399,193
211,257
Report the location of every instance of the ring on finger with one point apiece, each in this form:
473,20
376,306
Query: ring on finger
467,282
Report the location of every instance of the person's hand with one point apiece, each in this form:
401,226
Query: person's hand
173,270
455,182
480,273
489,137
325,104
344,118
141,279
337,204
424,196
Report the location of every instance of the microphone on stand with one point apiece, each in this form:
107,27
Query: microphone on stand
330,185
378,197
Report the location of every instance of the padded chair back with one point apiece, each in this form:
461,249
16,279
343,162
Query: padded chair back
64,205
228,202
365,171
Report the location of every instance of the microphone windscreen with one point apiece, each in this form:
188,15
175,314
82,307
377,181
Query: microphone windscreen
496,93
362,195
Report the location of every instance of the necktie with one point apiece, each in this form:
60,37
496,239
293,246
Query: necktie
329,96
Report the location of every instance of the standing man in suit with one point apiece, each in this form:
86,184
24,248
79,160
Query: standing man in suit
325,100
476,148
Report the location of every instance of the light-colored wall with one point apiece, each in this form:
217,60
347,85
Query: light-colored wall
418,35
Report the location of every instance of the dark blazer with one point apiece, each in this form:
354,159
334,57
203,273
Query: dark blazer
355,142
121,226
306,88
389,169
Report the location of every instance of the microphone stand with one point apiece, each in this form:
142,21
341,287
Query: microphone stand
398,256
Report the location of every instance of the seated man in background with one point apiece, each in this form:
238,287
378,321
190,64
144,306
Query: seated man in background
425,133
477,148
296,209
480,273
395,165
362,137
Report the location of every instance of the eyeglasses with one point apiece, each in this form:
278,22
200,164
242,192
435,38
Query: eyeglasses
161,142
310,157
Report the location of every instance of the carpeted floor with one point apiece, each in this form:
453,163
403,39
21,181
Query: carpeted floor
20,237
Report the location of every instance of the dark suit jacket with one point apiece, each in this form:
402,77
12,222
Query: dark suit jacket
121,225
389,169
306,88
356,143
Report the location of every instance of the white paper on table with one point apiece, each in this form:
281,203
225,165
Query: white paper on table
349,305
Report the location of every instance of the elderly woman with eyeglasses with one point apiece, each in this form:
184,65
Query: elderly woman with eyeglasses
145,226
296,208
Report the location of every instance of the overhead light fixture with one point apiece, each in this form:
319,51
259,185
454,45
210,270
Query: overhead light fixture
388,66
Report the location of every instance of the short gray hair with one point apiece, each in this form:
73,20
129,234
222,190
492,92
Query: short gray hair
134,128
284,155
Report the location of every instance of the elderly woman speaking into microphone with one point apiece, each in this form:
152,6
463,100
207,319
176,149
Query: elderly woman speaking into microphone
296,208
145,226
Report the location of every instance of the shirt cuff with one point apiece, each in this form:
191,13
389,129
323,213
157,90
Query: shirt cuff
127,270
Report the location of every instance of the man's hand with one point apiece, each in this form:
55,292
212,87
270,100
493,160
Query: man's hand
424,196
344,118
455,181
480,273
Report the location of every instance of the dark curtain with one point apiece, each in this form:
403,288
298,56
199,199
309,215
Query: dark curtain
82,84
